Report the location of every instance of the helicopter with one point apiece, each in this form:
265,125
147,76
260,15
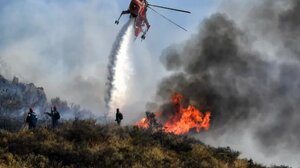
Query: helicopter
138,10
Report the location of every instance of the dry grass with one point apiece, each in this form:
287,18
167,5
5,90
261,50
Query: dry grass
87,144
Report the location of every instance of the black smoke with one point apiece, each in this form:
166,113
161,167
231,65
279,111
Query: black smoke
216,70
221,67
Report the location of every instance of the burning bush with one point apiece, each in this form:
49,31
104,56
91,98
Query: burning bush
181,121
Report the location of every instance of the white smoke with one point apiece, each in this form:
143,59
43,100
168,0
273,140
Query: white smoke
120,70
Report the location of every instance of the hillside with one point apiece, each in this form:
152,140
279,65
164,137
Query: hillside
17,97
83,143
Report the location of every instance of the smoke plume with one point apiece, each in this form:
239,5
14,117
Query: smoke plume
119,68
247,71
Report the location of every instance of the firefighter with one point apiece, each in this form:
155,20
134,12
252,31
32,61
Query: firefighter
31,119
119,116
55,116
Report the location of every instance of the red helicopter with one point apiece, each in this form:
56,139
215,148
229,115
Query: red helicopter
138,10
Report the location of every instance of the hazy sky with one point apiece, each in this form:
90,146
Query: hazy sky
64,45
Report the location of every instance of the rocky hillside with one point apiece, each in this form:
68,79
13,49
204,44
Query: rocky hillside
15,97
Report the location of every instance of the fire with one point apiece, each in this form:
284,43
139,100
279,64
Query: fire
187,119
176,98
183,121
144,123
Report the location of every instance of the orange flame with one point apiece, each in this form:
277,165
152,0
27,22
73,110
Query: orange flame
184,120
143,123
176,98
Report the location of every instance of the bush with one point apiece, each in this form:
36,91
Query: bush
226,154
83,143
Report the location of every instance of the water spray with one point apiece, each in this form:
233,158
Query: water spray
119,69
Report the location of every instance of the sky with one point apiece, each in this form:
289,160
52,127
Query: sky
63,46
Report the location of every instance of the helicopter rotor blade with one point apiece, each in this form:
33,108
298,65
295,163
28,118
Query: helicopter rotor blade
162,7
167,18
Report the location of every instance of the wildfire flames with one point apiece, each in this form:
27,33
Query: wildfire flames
183,121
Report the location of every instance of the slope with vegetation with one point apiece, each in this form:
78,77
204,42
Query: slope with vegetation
16,98
84,143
